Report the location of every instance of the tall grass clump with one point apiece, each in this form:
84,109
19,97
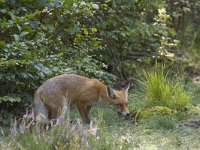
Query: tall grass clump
160,90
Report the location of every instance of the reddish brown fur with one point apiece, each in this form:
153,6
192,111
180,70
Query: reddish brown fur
79,90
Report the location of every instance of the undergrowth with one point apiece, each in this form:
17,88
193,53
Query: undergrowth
161,126
160,90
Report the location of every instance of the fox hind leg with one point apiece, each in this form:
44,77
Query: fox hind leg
41,112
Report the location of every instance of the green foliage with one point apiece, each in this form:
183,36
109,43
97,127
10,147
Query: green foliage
193,50
165,35
126,31
186,24
44,39
161,91
9,99
50,38
104,39
154,111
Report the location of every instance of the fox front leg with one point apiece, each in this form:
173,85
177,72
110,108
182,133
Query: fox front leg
84,112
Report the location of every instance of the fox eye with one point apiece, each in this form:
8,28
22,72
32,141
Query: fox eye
119,105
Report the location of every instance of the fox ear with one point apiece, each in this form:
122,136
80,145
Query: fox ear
125,90
110,92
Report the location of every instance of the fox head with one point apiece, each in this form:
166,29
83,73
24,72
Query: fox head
119,100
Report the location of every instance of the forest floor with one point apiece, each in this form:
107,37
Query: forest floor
115,133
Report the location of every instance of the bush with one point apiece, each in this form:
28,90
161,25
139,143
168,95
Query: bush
41,41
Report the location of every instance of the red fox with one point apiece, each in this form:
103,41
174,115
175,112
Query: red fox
50,97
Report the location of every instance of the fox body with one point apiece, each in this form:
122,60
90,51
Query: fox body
51,96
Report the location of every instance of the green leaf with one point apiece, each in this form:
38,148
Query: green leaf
85,31
3,11
17,37
24,33
68,3
43,68
9,99
94,30
2,44
26,28
61,19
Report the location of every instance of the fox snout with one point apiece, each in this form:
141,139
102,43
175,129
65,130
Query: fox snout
123,113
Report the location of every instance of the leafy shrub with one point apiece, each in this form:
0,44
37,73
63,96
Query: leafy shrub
161,91
132,38
42,41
